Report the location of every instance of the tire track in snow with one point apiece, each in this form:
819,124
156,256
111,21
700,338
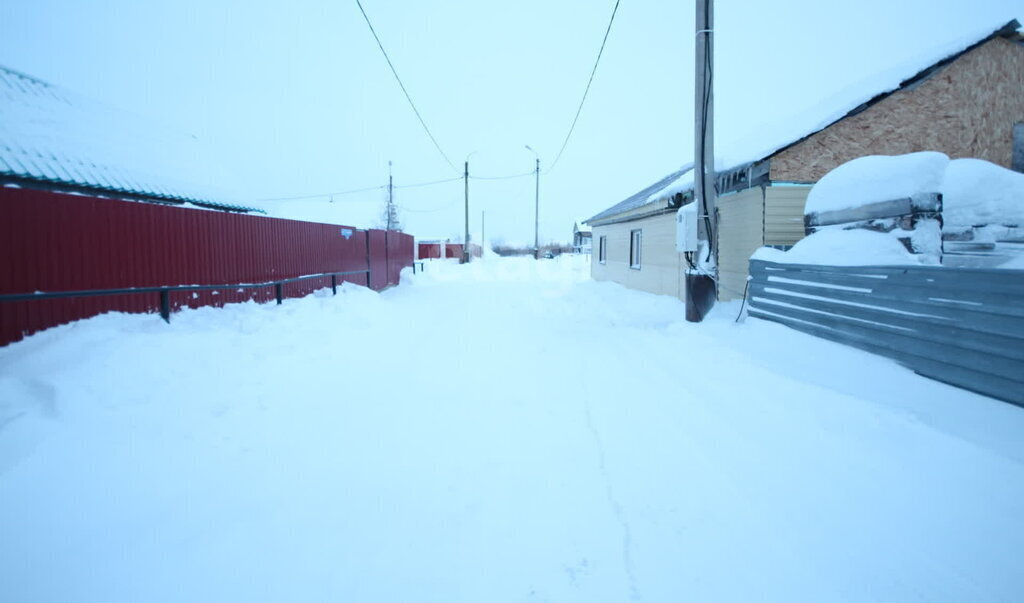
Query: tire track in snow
620,514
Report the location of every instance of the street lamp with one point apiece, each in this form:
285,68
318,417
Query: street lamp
536,209
465,237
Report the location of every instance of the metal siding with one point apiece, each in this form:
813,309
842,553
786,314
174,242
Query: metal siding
59,242
739,235
784,214
957,325
661,265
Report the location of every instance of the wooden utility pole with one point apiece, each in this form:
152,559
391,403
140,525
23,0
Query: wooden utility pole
701,279
465,238
536,207
536,214
391,196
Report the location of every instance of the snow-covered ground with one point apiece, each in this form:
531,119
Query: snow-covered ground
504,431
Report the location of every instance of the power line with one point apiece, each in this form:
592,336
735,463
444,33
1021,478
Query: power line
530,173
429,183
404,91
589,82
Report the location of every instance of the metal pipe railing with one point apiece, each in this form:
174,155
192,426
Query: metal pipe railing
165,291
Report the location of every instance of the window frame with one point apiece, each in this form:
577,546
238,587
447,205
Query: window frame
636,243
602,249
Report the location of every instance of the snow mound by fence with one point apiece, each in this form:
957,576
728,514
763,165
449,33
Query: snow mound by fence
843,248
976,192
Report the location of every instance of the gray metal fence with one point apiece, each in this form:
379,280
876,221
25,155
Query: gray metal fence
961,326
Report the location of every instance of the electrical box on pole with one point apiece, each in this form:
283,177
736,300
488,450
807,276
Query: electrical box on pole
686,228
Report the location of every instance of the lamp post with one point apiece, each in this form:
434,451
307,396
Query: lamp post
536,208
465,237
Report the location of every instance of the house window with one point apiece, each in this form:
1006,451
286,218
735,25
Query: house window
602,250
634,249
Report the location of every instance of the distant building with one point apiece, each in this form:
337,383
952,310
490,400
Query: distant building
581,237
440,249
967,104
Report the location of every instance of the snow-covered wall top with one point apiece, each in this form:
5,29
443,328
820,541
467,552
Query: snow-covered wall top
877,178
974,192
51,134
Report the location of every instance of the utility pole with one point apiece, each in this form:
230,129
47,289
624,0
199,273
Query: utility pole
701,279
483,231
536,215
465,238
391,196
536,210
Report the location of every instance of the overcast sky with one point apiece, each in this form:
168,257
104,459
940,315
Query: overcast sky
294,98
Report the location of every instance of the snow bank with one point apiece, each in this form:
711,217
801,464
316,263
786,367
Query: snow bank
876,178
836,247
976,192
479,434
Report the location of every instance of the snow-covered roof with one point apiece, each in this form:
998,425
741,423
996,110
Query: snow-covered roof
53,137
756,146
643,197
579,226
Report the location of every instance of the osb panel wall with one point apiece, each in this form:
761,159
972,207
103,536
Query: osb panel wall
966,109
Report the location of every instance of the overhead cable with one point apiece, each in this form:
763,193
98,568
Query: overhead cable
585,91
402,86
530,173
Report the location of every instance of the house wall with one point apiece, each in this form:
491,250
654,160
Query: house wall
784,214
661,265
741,232
967,109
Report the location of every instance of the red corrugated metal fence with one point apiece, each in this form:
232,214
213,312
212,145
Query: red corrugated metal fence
58,242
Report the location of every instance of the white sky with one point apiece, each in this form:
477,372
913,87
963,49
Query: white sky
295,98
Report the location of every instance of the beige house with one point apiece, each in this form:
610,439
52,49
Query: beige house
969,104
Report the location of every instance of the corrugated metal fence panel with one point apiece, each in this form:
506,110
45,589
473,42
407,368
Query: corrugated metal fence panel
400,250
59,242
378,259
429,251
957,325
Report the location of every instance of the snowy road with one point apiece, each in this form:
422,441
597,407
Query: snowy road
507,431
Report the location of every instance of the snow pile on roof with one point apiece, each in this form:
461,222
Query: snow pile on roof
976,192
751,137
681,184
877,178
50,134
771,135
835,247
643,197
